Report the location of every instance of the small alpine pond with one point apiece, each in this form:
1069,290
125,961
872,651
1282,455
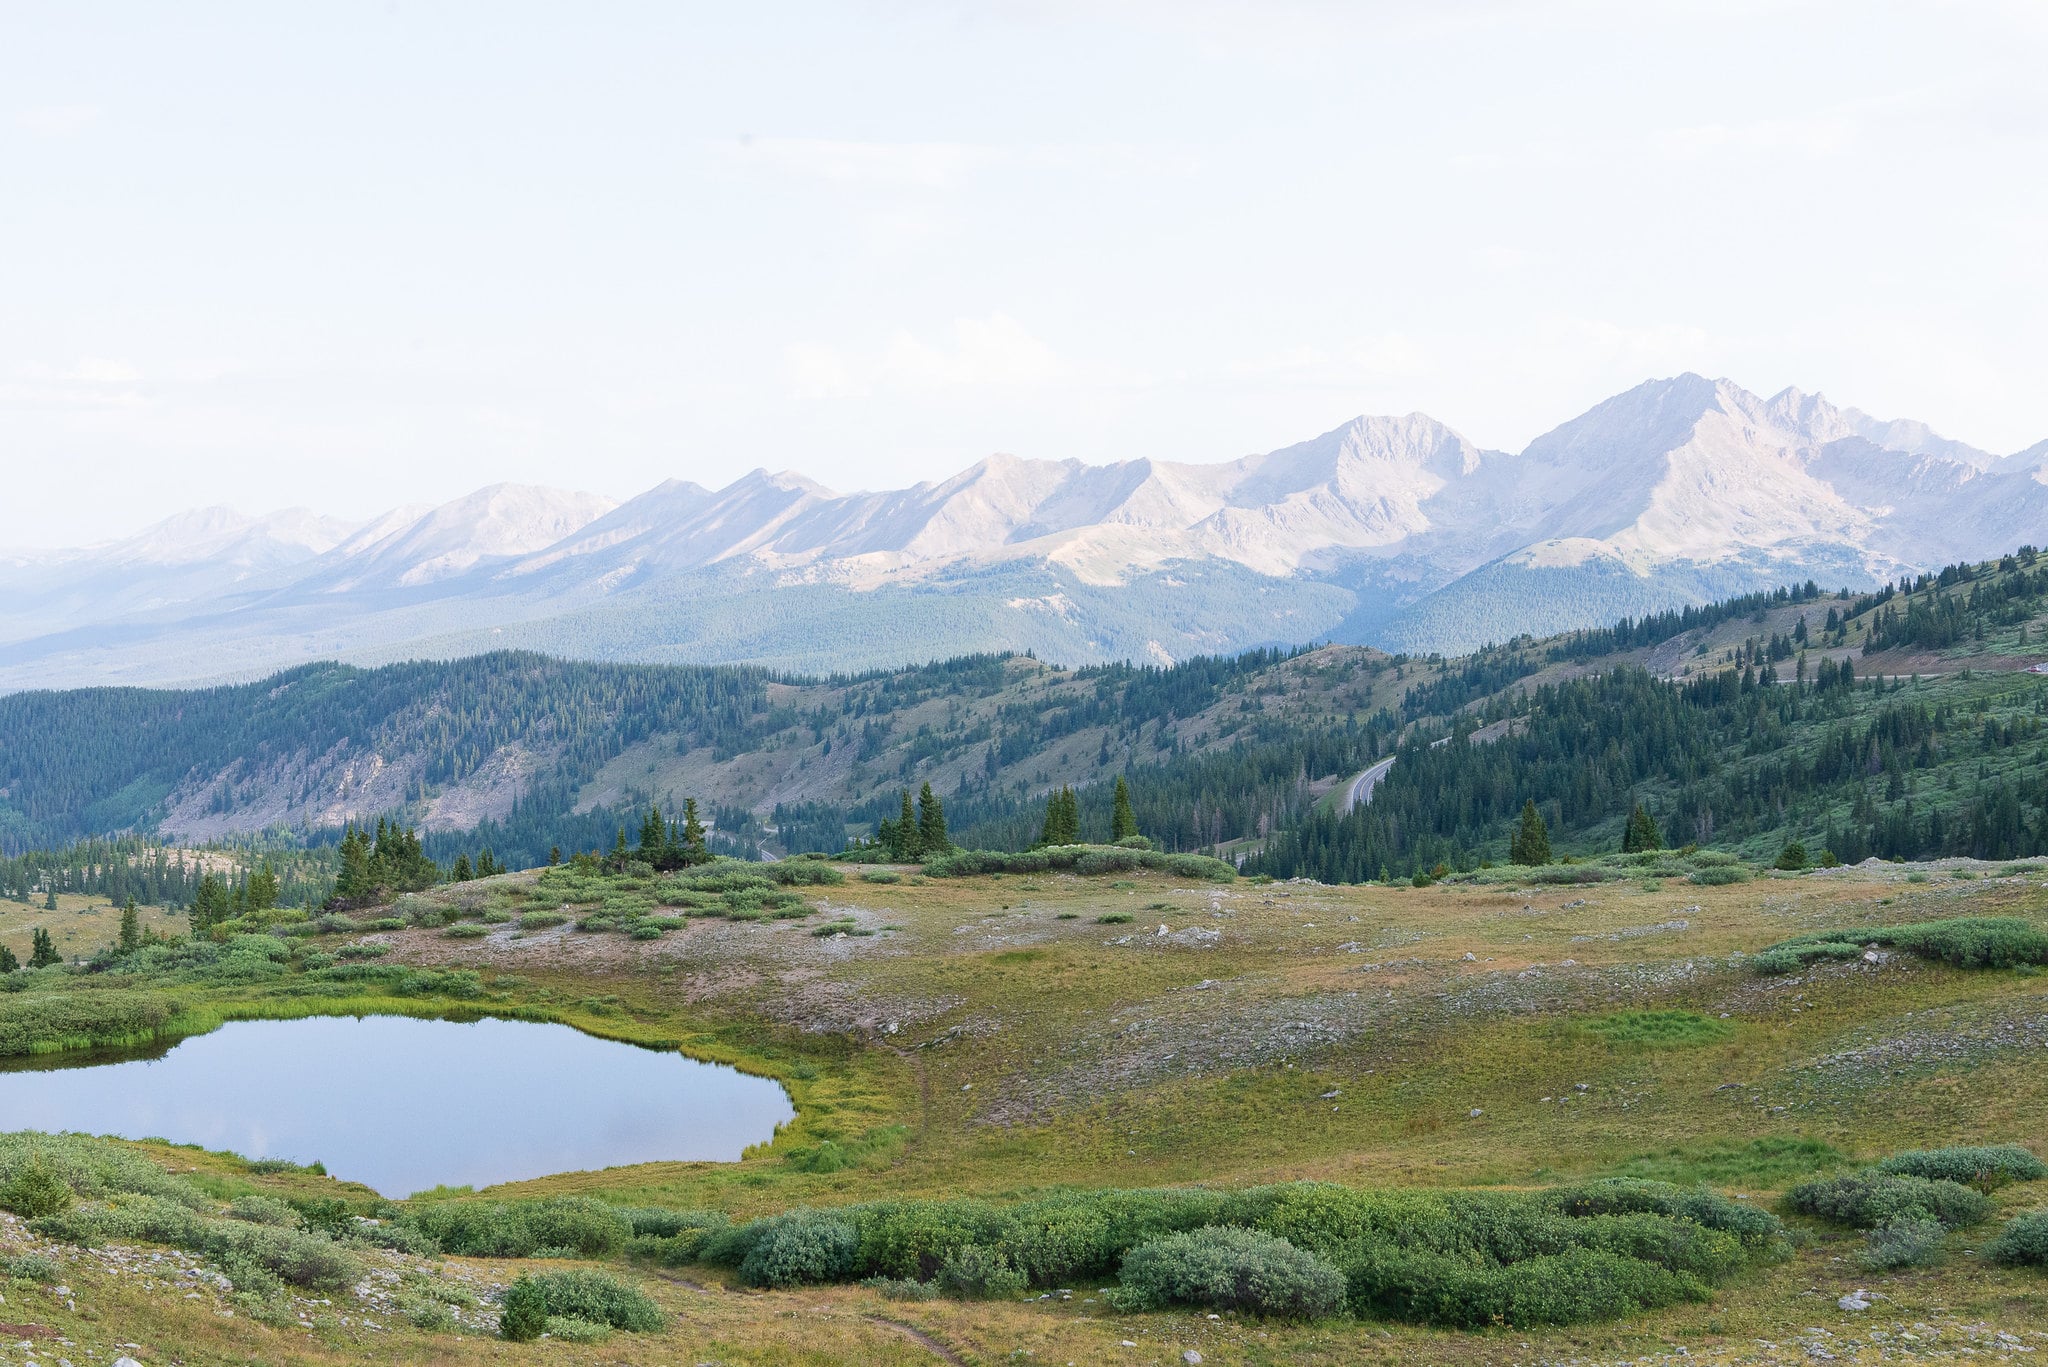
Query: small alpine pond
403,1105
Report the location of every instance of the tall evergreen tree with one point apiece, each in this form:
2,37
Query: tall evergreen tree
694,850
260,892
8,963
131,928
42,950
931,823
1123,822
212,903
461,873
1062,818
1531,841
653,837
909,846
1641,834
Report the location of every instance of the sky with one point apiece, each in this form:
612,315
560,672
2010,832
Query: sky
350,256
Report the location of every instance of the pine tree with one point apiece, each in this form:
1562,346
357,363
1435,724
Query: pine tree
1055,817
1531,841
908,847
461,873
1123,822
8,963
354,883
1641,834
42,950
620,854
554,855
1062,818
653,837
261,890
694,850
50,900
931,823
131,928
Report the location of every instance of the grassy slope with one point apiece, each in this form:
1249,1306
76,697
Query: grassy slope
1034,1050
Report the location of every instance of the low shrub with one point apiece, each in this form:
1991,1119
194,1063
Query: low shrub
94,1169
792,1249
978,1272
31,1267
1989,1166
902,1288
566,1226
1563,1256
804,873
535,1300
1087,860
1869,1199
290,1255
1221,1268
662,1223
881,876
1115,918
1719,876
1963,941
46,1022
2023,1242
36,1189
540,920
467,930
574,1329
1902,1243
263,1210
523,1315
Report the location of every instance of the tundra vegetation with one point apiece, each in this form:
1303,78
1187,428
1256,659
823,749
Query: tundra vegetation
1104,1093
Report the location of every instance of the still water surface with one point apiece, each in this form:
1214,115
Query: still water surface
402,1105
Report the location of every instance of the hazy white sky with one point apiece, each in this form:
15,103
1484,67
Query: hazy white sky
351,255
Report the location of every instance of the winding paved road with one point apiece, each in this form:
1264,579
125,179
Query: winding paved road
1359,790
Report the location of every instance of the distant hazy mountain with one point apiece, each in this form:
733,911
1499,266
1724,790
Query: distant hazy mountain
1386,531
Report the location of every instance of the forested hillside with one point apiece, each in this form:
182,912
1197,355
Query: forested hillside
1897,723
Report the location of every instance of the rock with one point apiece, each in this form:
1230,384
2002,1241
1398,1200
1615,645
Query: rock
1476,1113
1330,1094
1191,1356
126,1361
1858,1299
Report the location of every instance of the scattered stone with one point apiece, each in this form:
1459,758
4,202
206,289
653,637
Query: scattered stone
1858,1299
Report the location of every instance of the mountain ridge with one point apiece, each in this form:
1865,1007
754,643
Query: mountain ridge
1673,490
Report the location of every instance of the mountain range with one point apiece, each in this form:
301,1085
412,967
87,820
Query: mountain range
1388,531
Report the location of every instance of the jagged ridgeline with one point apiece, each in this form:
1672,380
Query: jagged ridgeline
1903,722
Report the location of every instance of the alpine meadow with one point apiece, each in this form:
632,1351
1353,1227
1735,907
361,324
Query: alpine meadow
940,685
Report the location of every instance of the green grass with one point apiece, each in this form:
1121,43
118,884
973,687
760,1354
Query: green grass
1668,1029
